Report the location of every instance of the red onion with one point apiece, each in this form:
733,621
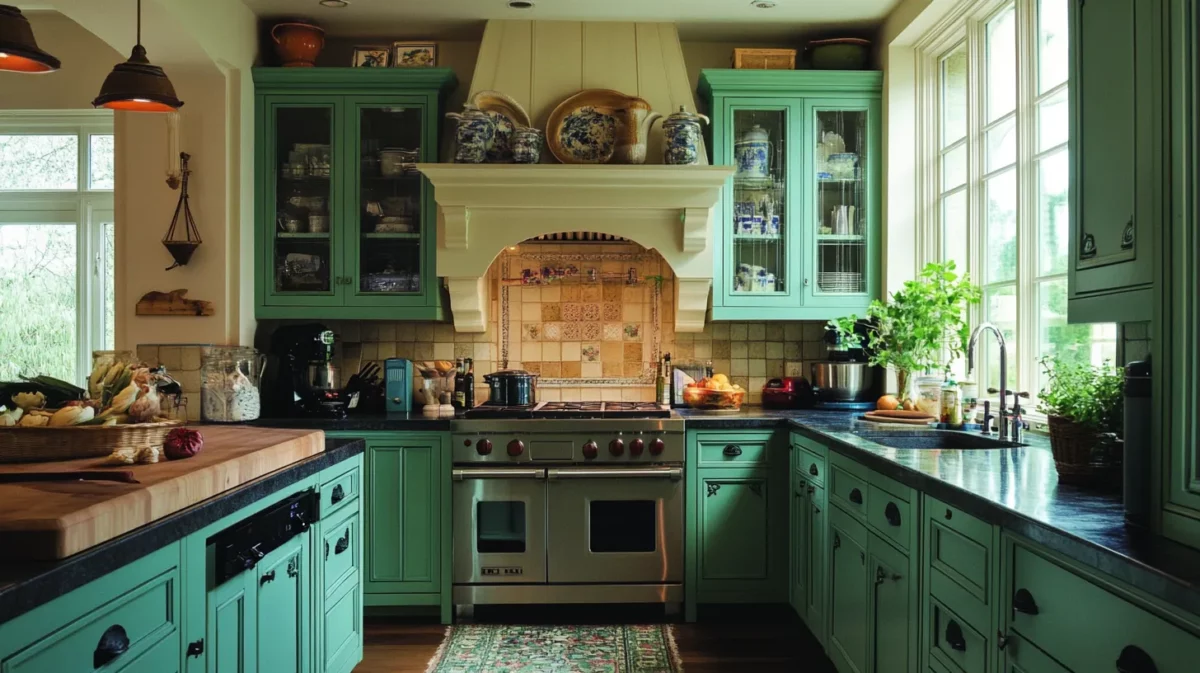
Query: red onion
183,443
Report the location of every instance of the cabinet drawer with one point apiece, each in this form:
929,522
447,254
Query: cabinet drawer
810,445
137,619
811,466
848,490
959,546
954,642
890,515
343,635
162,658
730,449
339,490
342,541
1046,606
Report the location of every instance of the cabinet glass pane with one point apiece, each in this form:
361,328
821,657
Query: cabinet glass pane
304,179
389,200
840,200
761,231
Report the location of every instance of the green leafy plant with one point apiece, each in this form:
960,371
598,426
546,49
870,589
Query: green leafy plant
923,326
1083,393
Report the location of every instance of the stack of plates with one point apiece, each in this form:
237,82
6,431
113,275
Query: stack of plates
840,281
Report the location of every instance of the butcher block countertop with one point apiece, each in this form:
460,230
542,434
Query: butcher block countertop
26,584
48,520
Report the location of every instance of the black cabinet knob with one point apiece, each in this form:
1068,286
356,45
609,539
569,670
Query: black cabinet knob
342,544
892,514
955,638
856,496
732,450
195,648
949,515
113,643
267,577
1023,602
339,494
1134,659
812,469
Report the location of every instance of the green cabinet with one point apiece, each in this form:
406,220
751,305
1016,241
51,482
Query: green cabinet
283,610
734,547
230,645
1117,146
893,645
345,227
800,524
807,568
849,628
799,232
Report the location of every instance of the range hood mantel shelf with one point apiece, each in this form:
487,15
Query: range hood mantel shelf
484,208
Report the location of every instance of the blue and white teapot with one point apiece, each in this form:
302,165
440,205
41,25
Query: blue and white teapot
753,154
474,135
682,138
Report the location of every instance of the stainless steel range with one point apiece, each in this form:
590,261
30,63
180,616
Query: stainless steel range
568,502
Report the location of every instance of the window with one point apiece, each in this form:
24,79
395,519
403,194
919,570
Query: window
56,242
995,106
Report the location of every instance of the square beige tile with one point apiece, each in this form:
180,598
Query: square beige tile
592,370
721,349
482,351
572,331
814,350
572,370
612,331
633,331
551,369
532,367
552,331
593,294
572,293
572,311
721,366
570,394
424,332
681,352
591,331
441,351
610,394
702,350
531,311
774,368
720,331
551,312
814,330
422,350
758,367
633,352
611,369
549,394
633,369
590,352
756,331
612,292
592,312
387,331
739,367
612,351
370,331
632,295
758,350
552,293
552,351
443,332
406,332
612,311
738,331
791,350
739,349
466,350
570,351
774,331
531,352
531,331
774,350
631,312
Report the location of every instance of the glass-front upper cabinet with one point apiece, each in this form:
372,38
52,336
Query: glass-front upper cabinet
798,233
346,225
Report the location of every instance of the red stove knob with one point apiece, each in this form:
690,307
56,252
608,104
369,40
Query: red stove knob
636,447
516,447
616,447
484,447
657,446
590,450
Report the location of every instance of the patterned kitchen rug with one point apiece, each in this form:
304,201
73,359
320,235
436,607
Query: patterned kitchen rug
506,648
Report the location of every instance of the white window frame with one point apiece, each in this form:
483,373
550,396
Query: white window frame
85,208
967,23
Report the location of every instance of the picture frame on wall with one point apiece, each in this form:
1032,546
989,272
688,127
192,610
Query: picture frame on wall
414,54
371,57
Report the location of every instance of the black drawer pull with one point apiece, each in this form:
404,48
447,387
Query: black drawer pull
732,450
113,643
268,576
955,638
837,541
949,515
812,469
856,496
342,544
195,648
1134,659
892,514
327,550
1023,602
339,494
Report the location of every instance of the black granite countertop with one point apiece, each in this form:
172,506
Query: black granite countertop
24,586
361,423
1016,489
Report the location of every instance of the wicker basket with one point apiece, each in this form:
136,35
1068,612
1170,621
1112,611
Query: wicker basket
764,59
41,444
1084,456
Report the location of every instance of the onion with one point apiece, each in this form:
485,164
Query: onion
183,443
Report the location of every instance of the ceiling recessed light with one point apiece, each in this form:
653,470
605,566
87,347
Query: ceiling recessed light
520,4
336,4
762,4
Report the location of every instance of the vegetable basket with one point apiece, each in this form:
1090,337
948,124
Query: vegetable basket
41,444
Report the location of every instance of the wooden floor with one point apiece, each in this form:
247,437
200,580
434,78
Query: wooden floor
720,643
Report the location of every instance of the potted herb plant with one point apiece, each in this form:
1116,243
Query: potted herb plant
923,325
1084,405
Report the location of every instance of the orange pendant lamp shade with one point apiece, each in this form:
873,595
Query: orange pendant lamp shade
138,85
18,50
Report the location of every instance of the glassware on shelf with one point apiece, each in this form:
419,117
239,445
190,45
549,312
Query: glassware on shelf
839,155
229,384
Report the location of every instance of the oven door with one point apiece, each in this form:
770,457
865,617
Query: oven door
499,526
616,525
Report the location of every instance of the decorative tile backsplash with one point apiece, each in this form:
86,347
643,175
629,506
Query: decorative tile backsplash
589,341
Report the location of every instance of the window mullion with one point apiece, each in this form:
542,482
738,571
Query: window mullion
976,81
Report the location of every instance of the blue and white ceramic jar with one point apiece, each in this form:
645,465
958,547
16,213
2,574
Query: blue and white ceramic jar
753,154
681,138
527,143
475,133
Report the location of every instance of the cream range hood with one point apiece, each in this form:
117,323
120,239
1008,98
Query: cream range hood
484,208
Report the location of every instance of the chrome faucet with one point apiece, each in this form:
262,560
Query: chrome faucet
1002,419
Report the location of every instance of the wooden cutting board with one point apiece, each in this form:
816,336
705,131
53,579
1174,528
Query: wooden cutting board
53,520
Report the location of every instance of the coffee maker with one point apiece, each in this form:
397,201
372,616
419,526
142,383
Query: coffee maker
300,378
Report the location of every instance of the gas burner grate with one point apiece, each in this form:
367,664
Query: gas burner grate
582,410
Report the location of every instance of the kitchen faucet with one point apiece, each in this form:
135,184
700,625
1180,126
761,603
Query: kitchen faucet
1002,419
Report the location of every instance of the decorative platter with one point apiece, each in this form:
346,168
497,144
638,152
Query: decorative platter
507,114
582,129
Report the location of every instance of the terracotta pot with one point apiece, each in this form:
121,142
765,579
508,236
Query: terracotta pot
298,44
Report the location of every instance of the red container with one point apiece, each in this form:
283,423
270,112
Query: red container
792,392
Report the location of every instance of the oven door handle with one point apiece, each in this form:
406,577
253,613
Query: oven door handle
462,474
672,473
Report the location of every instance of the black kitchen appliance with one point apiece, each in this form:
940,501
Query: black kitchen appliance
241,546
301,378
512,387
845,381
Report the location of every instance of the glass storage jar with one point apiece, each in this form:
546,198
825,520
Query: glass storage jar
229,384
929,395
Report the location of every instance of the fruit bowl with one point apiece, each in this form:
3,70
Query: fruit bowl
698,397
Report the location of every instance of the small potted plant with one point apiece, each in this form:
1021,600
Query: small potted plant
923,326
1084,405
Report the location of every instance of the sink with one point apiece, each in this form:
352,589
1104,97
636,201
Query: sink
933,439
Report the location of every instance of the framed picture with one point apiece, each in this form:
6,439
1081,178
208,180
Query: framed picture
370,57
414,55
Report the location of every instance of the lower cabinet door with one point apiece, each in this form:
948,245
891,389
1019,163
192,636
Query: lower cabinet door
283,605
734,513
403,517
1024,657
815,546
891,608
231,618
848,625
342,630
799,546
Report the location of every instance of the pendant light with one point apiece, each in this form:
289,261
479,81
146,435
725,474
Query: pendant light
136,84
18,50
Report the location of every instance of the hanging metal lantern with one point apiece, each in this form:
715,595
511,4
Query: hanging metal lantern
189,238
